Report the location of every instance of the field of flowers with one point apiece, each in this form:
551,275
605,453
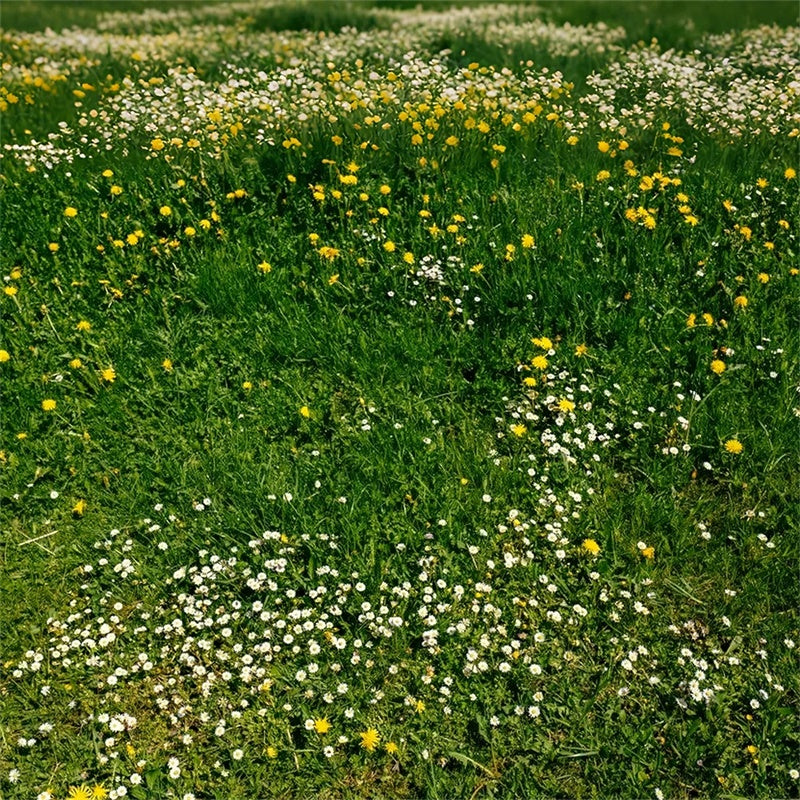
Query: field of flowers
398,402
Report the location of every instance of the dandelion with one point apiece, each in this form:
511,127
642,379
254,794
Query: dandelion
157,144
519,430
734,446
763,277
10,290
53,247
165,211
740,301
79,508
527,241
603,147
540,362
75,363
115,190
4,356
247,386
369,739
166,365
790,174
649,553
99,792
451,141
272,752
108,375
48,405
591,546
333,279
566,405
82,792
718,366
322,725
265,267
305,411
70,211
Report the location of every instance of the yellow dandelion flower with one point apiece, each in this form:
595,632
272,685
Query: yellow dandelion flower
333,279
272,752
4,356
718,366
527,241
544,342
166,365
790,174
690,320
79,508
519,430
649,553
540,362
389,246
603,147
76,363
108,173
99,792
369,739
734,446
48,405
82,792
305,411
451,141
763,277
108,375
591,546
265,267
322,725
165,211
84,325
70,211
157,144
10,290
566,405
115,190
741,301
53,247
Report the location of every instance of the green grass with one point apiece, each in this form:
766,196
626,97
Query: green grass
380,428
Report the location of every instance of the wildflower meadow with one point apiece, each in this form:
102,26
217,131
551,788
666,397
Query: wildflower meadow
399,400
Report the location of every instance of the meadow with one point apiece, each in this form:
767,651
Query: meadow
399,401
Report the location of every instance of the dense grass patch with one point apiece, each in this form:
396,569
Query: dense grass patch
408,410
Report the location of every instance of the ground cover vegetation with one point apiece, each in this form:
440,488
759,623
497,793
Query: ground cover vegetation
399,401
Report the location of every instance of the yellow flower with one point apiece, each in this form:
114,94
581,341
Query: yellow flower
591,546
718,366
734,446
70,211
369,739
741,301
790,173
165,211
99,792
4,356
519,430
83,325
247,385
540,362
649,552
16,274
76,363
79,508
322,725
529,381
10,290
450,141
544,342
603,175
690,320
566,405
272,752
603,147
709,320
391,748
389,246
108,375
763,277
166,364
108,173
82,792
527,241
115,190
53,247
333,279
305,411
48,405
385,189
189,230
157,144
265,267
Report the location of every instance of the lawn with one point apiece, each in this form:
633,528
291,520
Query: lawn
399,401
